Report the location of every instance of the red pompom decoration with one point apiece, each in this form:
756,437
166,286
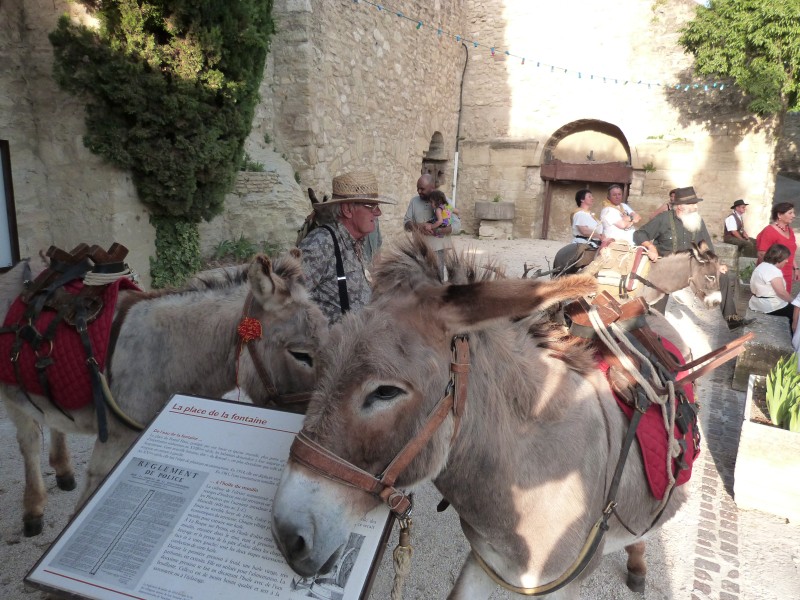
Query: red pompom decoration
249,329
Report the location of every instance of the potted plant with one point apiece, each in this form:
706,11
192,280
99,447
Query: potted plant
767,474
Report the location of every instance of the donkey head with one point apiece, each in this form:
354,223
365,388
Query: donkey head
704,274
293,330
382,372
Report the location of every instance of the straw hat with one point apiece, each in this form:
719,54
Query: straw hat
686,195
356,186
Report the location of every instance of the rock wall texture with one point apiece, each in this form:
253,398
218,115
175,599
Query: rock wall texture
350,86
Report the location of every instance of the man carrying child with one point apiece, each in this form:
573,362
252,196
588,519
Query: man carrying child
422,216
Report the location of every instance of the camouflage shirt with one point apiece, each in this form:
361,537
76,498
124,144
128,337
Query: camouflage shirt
319,268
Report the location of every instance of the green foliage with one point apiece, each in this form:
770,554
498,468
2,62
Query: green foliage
649,167
170,90
746,272
497,198
783,393
239,250
250,165
755,42
177,251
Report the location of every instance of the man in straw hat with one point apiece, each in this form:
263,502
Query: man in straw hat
419,212
333,256
734,233
674,231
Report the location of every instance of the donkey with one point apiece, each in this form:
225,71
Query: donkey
526,461
697,268
175,341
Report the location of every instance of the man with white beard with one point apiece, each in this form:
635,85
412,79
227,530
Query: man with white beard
675,230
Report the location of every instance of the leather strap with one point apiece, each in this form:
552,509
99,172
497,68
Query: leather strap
341,278
316,457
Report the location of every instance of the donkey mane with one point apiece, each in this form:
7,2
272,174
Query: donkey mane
412,264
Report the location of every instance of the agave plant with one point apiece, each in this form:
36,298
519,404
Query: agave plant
783,393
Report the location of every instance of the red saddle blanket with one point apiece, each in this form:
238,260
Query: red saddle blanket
652,436
68,376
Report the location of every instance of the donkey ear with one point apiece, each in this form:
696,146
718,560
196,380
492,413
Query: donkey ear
700,251
469,306
269,289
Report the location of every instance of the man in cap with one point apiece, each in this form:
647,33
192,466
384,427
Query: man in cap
675,230
734,232
334,263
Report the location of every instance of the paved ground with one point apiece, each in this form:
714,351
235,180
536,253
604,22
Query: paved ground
710,550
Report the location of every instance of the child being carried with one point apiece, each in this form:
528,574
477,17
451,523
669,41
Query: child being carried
442,211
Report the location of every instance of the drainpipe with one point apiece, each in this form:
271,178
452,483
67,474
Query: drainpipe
458,124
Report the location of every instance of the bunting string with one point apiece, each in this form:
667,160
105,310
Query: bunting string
495,50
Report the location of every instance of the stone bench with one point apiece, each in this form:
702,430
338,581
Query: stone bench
772,340
496,220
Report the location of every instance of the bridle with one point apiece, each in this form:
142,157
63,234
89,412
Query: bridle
249,330
319,459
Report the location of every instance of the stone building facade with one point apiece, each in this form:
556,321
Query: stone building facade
404,87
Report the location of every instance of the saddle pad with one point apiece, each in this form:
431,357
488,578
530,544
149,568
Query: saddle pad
68,376
652,437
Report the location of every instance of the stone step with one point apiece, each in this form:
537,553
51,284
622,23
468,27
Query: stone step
772,340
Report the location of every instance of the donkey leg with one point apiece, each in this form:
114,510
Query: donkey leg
104,456
29,439
472,583
637,566
60,461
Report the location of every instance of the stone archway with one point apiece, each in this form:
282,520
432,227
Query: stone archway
555,172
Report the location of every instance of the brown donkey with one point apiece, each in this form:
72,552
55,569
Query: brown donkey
176,341
530,465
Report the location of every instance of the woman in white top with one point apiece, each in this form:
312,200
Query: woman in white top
769,286
585,228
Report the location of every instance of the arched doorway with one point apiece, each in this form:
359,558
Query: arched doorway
577,155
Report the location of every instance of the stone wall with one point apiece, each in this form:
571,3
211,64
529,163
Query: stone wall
355,87
676,138
348,86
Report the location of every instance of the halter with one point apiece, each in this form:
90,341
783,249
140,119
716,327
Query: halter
249,330
319,459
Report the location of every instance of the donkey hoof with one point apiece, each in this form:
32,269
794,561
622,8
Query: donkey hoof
635,583
65,482
32,526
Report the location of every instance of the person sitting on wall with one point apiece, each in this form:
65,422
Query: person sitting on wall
586,229
617,217
769,287
734,232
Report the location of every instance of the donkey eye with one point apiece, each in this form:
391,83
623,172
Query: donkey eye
383,393
302,357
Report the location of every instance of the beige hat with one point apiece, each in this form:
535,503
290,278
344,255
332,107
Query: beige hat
356,186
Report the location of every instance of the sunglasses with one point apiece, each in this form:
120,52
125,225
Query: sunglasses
369,207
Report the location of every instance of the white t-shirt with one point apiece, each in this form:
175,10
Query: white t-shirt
764,298
584,219
610,215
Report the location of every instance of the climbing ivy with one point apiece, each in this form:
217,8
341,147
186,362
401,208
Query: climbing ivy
170,87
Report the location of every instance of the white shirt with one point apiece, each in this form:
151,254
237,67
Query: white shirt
764,298
730,223
610,215
584,219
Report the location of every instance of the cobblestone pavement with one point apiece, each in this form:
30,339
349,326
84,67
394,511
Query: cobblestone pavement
709,551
